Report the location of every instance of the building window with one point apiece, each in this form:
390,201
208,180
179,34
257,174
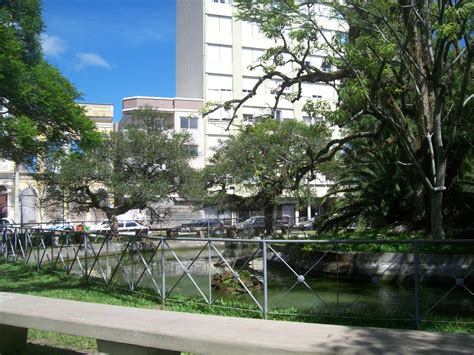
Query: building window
189,122
248,118
312,120
192,150
326,65
219,24
219,55
341,38
278,115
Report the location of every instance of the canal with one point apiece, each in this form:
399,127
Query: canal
315,295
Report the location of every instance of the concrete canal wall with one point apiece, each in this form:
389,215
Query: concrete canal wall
391,267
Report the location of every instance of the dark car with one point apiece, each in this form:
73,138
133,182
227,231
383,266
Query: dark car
213,225
6,224
306,225
259,222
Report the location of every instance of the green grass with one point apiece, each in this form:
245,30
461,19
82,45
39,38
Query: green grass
379,235
25,279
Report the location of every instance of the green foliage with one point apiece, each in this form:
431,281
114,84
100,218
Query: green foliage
373,187
39,108
407,67
263,162
135,168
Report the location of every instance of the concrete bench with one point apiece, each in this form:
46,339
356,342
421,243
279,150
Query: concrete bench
125,330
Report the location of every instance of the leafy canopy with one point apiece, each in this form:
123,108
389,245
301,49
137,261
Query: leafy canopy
135,168
38,103
263,162
405,64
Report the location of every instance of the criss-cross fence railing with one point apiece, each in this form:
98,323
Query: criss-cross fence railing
414,281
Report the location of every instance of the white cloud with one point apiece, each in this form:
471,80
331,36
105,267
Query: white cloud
53,46
91,60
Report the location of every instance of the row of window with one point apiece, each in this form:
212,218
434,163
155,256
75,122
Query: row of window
221,56
278,115
189,122
222,25
192,122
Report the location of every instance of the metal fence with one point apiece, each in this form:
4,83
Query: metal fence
411,281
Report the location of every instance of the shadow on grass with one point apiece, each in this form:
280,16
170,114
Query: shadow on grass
39,349
21,278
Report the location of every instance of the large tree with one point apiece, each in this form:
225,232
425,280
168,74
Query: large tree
405,63
264,162
136,168
38,109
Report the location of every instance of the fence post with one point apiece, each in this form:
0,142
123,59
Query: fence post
53,241
337,280
417,282
3,243
265,280
133,247
38,243
163,274
209,262
106,259
85,243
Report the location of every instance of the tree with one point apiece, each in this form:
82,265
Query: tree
372,187
407,64
135,168
38,109
264,162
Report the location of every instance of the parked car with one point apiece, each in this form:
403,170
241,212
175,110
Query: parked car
203,223
259,222
306,225
214,225
124,227
58,225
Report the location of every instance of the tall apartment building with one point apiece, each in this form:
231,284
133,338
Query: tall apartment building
214,51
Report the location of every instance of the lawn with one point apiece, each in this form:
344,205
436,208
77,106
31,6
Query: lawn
25,279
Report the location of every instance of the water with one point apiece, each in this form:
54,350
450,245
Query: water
313,295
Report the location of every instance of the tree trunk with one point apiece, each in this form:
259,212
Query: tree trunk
113,223
437,230
268,212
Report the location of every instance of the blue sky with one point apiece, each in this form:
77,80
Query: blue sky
110,49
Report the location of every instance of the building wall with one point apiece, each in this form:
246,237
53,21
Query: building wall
21,190
222,50
179,108
189,49
101,114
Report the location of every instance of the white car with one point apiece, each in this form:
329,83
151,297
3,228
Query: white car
124,227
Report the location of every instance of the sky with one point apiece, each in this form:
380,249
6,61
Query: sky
111,49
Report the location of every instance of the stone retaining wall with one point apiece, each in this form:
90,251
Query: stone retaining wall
391,267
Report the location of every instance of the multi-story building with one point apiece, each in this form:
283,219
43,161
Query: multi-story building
184,115
214,53
19,193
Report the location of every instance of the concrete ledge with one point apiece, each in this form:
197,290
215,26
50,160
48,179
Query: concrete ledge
216,335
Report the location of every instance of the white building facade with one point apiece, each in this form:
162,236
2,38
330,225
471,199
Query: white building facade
19,191
214,53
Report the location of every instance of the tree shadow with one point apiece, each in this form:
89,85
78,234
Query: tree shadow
39,349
